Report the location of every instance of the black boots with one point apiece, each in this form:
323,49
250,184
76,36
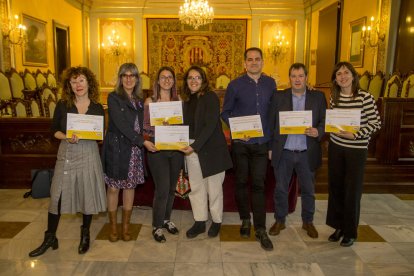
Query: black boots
49,241
84,241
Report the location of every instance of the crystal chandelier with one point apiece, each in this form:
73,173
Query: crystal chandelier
278,47
196,13
115,47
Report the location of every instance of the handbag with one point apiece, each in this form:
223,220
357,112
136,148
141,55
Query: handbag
183,185
41,181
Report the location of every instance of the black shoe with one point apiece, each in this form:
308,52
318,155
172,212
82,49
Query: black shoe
347,242
49,241
84,241
214,229
264,240
198,227
336,236
245,228
171,228
158,235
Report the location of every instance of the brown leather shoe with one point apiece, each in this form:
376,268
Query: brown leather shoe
276,228
310,230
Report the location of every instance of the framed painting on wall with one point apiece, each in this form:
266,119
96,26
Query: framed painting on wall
35,48
356,48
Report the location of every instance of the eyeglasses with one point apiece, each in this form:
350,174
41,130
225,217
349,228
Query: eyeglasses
195,78
164,78
128,76
80,81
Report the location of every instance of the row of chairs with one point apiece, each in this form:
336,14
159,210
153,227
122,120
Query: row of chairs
28,94
395,86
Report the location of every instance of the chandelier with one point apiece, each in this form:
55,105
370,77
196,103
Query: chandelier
196,13
278,47
371,35
14,32
115,47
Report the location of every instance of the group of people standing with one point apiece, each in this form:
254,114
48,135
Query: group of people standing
78,185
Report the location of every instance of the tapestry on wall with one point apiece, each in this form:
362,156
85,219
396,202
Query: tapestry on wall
216,47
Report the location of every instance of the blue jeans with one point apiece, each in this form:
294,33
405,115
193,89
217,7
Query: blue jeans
297,161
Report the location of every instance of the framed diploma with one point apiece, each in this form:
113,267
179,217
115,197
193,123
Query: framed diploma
295,122
170,113
246,127
342,119
171,137
90,127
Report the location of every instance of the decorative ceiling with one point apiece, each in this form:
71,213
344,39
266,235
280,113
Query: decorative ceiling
221,7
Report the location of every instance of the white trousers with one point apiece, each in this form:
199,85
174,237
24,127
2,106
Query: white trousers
205,191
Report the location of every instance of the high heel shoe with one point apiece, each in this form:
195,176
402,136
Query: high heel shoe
336,236
49,241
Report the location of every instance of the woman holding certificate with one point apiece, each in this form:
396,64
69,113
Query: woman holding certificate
347,154
122,154
165,165
77,185
207,156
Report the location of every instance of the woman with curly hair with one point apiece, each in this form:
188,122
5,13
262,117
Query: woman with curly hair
77,184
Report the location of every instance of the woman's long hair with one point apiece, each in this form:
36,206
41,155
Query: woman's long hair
73,72
186,92
336,89
119,88
156,95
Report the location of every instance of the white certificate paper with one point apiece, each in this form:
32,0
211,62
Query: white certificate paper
246,127
171,137
295,122
85,126
166,112
342,119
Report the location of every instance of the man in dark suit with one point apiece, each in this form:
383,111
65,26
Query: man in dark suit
299,152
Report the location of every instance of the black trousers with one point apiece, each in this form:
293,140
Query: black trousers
165,167
251,159
346,176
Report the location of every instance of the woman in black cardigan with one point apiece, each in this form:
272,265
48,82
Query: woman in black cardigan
207,156
122,153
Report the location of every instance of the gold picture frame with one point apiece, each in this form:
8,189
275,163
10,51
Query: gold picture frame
35,48
356,47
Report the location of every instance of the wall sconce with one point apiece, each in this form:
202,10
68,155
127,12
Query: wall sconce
278,47
371,35
13,31
115,47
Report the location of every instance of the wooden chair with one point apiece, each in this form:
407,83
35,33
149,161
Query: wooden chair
51,80
364,80
20,108
408,86
376,84
29,80
145,81
35,109
393,86
222,81
16,83
41,80
50,105
5,95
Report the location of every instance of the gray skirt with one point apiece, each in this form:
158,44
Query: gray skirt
78,179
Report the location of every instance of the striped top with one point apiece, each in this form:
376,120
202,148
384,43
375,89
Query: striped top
370,119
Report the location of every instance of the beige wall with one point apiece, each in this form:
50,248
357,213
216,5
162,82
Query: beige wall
62,13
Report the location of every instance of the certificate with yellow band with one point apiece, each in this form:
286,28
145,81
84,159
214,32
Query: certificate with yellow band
171,137
246,127
343,119
89,127
295,122
166,113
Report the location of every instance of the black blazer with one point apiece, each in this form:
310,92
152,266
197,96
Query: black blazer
210,143
282,101
121,136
